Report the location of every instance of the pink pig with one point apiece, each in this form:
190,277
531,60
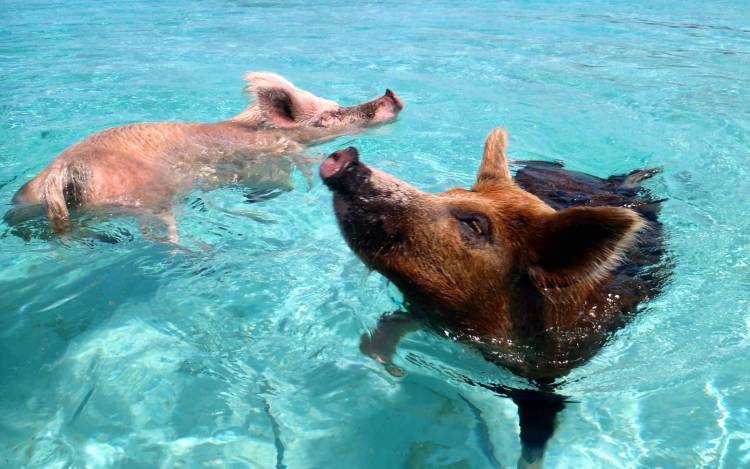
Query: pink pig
144,167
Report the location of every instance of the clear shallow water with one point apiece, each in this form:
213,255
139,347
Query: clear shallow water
133,355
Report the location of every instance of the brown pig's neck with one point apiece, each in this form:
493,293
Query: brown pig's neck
544,316
536,333
529,314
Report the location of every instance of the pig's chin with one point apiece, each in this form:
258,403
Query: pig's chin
371,229
383,116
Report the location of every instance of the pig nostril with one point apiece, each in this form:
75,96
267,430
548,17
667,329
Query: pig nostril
338,164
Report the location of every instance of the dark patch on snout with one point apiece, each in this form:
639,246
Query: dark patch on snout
371,221
371,225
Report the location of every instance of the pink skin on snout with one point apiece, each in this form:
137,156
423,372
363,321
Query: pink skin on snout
337,162
389,105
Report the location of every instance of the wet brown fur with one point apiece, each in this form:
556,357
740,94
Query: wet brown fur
536,293
534,271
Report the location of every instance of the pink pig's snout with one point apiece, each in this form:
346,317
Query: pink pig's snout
338,163
387,107
395,100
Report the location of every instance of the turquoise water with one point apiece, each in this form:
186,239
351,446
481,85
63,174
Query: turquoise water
243,350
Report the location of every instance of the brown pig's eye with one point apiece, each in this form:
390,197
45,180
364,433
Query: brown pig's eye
474,228
474,225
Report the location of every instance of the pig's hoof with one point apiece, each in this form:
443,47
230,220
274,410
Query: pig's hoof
394,370
368,347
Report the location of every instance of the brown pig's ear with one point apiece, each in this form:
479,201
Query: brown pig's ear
581,244
494,167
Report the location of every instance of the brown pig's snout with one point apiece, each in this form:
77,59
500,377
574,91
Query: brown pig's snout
338,163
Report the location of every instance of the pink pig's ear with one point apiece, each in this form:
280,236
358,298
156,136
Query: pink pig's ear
581,244
277,106
281,103
273,97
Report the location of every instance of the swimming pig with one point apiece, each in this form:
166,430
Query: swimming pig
534,282
145,166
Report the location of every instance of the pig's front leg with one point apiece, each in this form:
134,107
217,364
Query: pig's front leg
381,343
304,164
270,188
161,226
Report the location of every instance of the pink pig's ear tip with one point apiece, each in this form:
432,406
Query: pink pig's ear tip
256,80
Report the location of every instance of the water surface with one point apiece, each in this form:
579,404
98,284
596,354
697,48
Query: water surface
245,354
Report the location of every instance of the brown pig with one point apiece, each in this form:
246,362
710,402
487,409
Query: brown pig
143,167
534,282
